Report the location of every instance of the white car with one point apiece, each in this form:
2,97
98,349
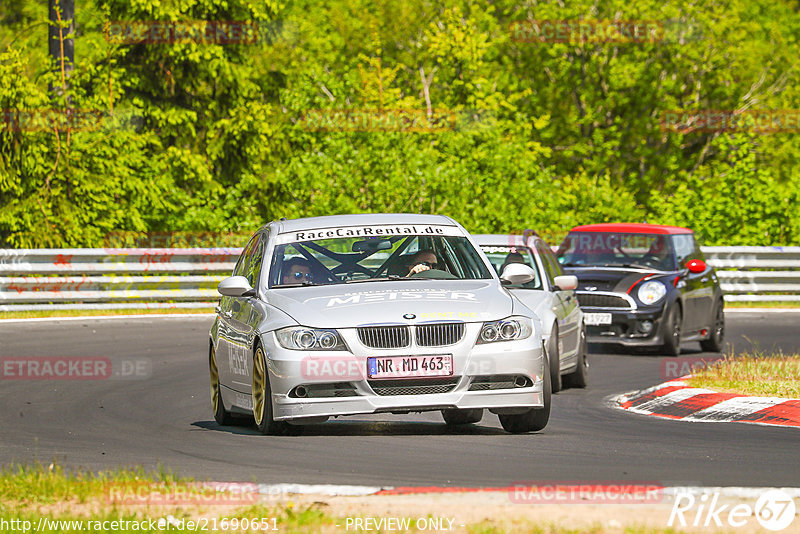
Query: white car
361,314
551,296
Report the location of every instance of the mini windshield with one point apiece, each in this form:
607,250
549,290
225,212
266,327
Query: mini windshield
342,260
502,255
606,249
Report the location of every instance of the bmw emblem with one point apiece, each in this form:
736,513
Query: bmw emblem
409,316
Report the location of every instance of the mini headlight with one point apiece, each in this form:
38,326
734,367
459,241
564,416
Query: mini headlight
303,338
508,329
651,292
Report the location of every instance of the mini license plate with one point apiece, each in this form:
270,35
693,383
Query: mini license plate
594,319
410,366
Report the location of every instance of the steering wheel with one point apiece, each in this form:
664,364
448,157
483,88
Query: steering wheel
652,260
434,274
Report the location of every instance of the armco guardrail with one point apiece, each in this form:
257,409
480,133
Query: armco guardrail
35,279
753,274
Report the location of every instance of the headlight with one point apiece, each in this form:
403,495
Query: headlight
508,329
302,338
651,292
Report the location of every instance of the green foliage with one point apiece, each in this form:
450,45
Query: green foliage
210,137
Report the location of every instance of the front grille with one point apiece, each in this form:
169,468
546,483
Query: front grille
428,386
439,334
384,337
490,382
602,301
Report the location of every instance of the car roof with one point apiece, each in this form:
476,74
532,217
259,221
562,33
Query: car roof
360,219
509,240
632,228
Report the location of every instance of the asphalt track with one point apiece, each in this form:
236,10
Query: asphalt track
164,419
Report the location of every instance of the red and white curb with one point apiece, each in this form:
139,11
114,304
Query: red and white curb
676,400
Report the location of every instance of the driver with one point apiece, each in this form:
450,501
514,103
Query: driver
296,271
658,253
423,260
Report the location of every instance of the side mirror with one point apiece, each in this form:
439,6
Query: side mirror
517,273
235,286
566,282
696,266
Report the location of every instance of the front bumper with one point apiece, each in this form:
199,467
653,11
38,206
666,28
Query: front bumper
628,327
339,378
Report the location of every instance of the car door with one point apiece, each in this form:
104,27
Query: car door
697,288
568,312
232,353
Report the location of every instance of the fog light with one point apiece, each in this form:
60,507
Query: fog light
646,327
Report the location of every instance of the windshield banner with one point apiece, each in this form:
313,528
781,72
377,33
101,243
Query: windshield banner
299,236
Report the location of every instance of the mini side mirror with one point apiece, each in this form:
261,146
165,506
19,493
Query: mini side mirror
517,273
566,282
235,286
696,266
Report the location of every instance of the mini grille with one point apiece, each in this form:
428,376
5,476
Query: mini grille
602,301
440,334
384,337
413,387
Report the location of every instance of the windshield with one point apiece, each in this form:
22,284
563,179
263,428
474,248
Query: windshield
605,249
502,255
341,260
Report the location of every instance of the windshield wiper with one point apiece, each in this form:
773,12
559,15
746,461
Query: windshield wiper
625,265
390,278
299,284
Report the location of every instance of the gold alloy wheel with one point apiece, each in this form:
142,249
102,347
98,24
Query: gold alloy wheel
212,364
259,381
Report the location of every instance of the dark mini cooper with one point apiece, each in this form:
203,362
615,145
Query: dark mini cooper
644,285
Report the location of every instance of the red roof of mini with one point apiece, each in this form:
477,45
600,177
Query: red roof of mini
632,228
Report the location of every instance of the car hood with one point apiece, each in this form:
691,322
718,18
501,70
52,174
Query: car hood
343,306
615,280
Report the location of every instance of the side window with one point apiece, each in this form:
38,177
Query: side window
254,262
242,264
551,267
684,248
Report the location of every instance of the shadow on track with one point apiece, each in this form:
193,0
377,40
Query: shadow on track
365,428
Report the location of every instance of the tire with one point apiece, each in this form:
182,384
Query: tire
462,417
221,415
580,376
262,396
534,419
555,360
672,331
716,340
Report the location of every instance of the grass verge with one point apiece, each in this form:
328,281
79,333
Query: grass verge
49,499
764,304
89,313
756,373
